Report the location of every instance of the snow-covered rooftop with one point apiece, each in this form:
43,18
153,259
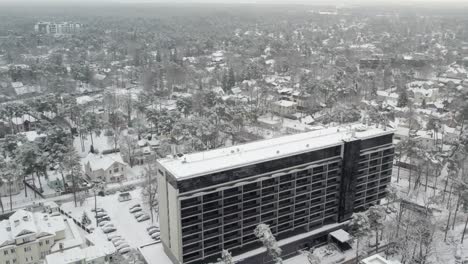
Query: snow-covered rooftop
196,164
97,162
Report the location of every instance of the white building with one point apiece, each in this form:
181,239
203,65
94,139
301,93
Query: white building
108,168
284,107
26,237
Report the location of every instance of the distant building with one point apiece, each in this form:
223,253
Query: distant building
284,107
303,186
61,28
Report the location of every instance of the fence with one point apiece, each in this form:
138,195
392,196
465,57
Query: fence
78,223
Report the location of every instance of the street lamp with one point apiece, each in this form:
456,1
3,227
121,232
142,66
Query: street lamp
96,188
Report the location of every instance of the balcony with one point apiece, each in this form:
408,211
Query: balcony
231,192
286,203
211,242
212,232
251,221
191,220
250,213
192,247
251,204
212,215
268,183
187,231
231,209
190,211
189,202
211,206
211,197
231,236
211,224
251,195
268,199
268,208
268,191
251,186
286,178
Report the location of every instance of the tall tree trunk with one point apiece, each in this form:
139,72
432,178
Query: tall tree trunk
376,240
25,187
11,197
445,189
456,211
1,204
398,171
447,226
427,176
357,251
464,229
34,184
74,188
449,200
39,180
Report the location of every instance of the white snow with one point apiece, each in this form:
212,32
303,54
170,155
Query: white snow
196,164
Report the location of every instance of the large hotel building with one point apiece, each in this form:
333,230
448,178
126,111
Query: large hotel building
303,186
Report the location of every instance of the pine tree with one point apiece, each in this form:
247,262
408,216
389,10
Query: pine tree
402,99
264,234
85,219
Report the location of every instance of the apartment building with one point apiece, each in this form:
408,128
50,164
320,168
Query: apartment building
26,237
61,28
303,186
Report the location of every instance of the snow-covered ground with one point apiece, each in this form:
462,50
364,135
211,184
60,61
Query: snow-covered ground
127,226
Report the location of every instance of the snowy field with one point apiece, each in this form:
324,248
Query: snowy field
127,226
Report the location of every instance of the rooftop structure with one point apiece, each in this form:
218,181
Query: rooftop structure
196,164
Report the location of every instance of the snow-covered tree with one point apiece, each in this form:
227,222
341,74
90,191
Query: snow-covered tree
226,258
150,190
264,234
376,215
85,221
359,227
128,146
312,258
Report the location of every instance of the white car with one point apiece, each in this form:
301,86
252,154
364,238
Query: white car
134,206
124,250
155,236
108,230
138,214
143,218
153,231
156,226
103,223
101,214
115,239
119,242
123,245
109,224
134,210
113,236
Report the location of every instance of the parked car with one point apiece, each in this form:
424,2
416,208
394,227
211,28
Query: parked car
116,239
152,227
143,218
109,224
113,236
155,236
103,223
124,250
138,214
104,218
118,243
125,196
134,206
134,210
101,214
153,231
97,210
108,230
124,245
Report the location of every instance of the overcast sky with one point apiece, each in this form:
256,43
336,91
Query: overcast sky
447,3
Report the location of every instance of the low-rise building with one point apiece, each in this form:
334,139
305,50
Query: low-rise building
107,168
27,237
284,107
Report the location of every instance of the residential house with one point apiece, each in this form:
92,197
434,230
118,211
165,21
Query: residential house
107,168
284,107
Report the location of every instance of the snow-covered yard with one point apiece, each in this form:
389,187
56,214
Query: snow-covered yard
127,226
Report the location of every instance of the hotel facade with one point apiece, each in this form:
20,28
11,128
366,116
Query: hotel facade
303,186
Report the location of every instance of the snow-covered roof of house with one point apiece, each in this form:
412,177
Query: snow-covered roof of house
27,89
285,103
99,76
32,135
16,85
22,119
196,164
236,90
387,94
102,162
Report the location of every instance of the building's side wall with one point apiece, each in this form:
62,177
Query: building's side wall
174,221
348,182
163,207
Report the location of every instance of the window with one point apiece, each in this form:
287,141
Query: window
7,262
12,250
47,242
40,243
116,169
14,260
5,252
26,249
